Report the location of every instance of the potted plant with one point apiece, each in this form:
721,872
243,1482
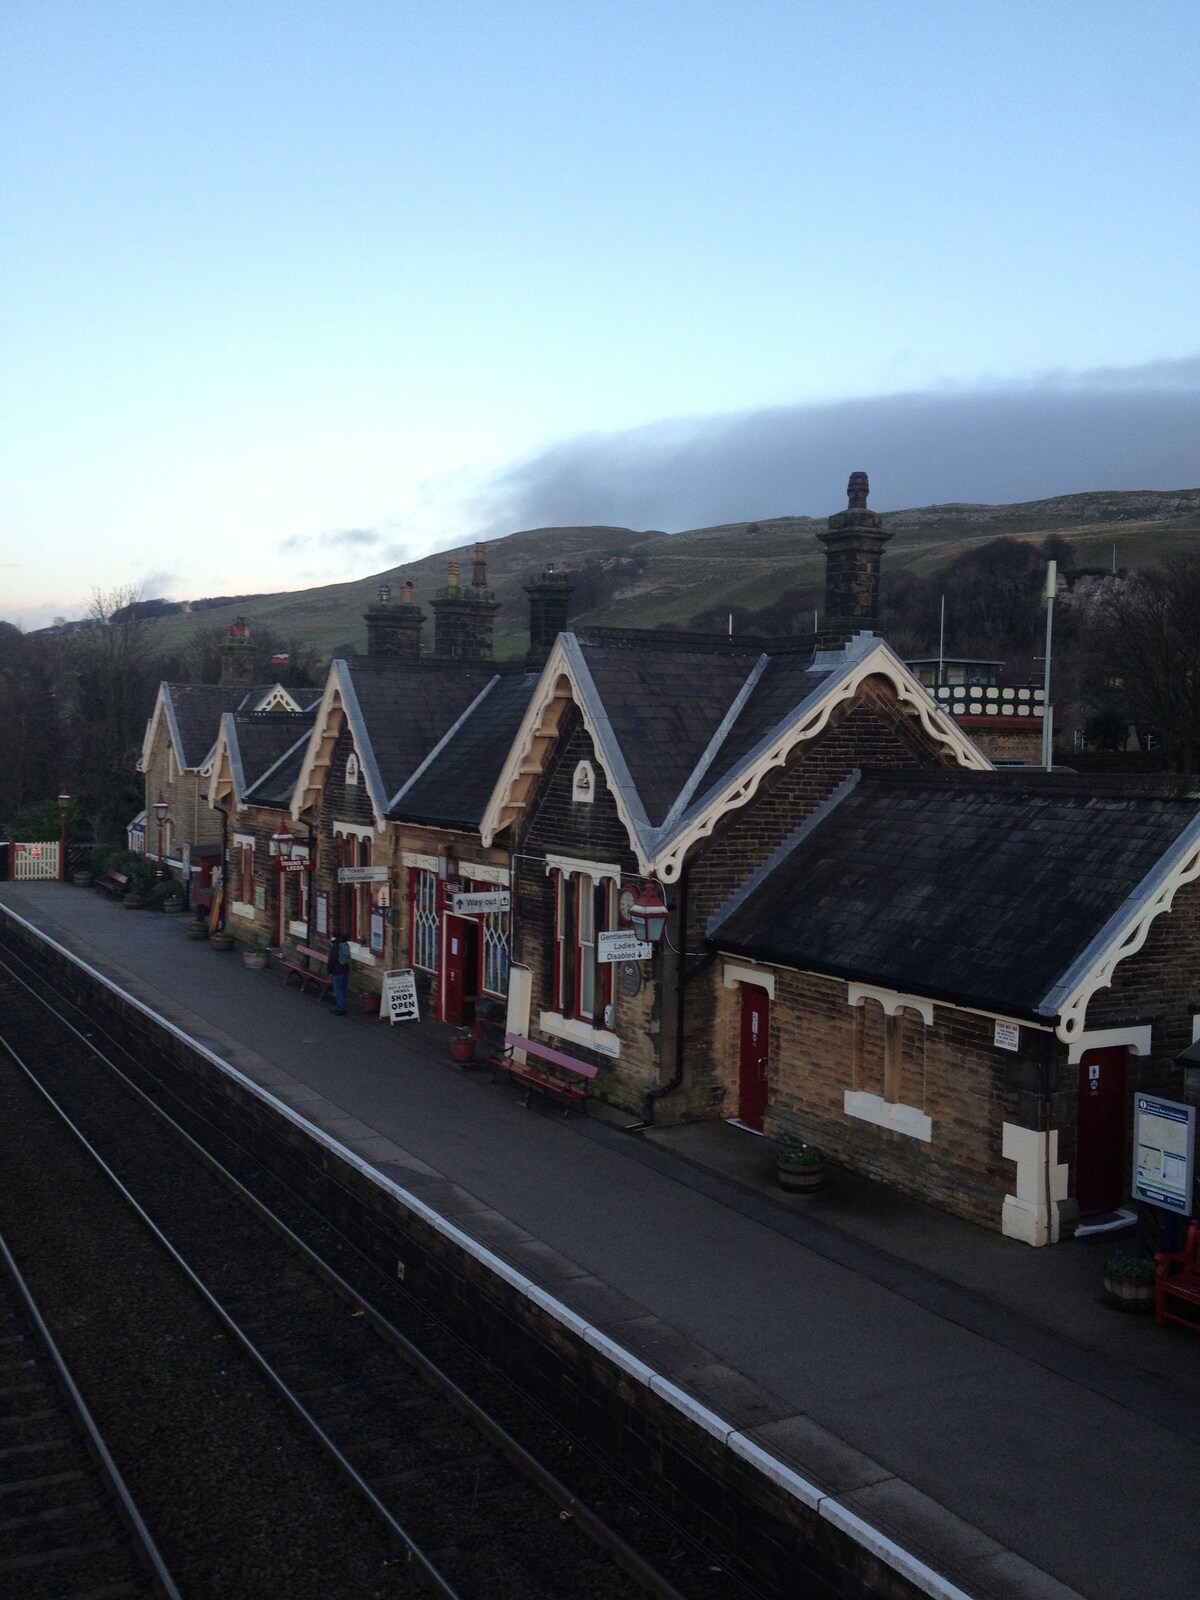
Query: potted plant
197,928
1129,1281
462,1048
166,896
255,955
800,1169
220,940
141,886
369,1002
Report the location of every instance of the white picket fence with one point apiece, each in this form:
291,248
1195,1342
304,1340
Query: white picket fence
37,860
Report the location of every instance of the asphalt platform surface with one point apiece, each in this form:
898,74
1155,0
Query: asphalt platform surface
935,1376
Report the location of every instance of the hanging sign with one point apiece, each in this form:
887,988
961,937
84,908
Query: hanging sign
296,864
469,905
362,875
622,946
399,997
1164,1145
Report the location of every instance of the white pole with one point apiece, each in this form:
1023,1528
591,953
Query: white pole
942,644
1047,712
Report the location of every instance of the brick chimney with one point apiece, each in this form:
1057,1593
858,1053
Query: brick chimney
237,659
464,617
394,632
549,596
853,549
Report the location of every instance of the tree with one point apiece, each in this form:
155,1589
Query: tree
1146,638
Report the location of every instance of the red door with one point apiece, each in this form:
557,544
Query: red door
752,1069
453,970
1100,1153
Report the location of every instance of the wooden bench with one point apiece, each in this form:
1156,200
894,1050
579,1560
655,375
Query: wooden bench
539,1080
114,883
1177,1278
310,968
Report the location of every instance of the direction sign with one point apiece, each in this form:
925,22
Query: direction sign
464,904
362,875
399,997
622,946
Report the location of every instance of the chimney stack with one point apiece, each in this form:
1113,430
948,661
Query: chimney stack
394,632
237,660
549,597
853,549
464,617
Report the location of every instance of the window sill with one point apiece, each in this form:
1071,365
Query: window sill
360,953
605,1044
889,1114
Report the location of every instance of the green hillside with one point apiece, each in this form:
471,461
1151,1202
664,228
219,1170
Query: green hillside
654,579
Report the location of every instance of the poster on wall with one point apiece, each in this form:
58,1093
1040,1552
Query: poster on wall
400,997
322,913
1164,1144
376,930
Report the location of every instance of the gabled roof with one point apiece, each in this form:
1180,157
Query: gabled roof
1013,893
452,786
686,733
398,713
250,749
193,711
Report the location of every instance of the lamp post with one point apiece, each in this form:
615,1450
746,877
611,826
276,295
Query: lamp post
64,801
284,844
160,812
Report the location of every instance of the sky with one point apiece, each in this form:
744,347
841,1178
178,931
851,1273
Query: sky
293,292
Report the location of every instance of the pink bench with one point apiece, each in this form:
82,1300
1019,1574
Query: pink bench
538,1080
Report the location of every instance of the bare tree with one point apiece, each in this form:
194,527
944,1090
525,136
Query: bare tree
1147,643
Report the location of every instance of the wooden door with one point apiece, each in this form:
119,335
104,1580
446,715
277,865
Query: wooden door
755,1047
1100,1149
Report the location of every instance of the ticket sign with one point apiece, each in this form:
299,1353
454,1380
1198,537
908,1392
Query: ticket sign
469,905
622,946
1164,1142
362,875
399,997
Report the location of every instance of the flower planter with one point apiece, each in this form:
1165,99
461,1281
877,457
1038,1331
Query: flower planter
255,958
82,880
800,1171
172,907
197,930
369,1004
1129,1284
134,902
220,941
463,1050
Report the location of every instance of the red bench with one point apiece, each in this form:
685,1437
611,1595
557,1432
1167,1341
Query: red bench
310,968
1177,1279
114,883
559,1079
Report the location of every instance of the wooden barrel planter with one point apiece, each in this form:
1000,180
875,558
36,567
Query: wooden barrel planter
197,930
1129,1283
220,941
800,1170
462,1049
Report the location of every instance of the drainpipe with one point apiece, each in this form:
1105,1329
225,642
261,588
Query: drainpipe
661,1090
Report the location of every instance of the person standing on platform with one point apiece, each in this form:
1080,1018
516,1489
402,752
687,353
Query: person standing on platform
339,970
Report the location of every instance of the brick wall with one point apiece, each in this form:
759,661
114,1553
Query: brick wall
556,824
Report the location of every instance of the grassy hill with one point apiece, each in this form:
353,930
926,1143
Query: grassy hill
653,579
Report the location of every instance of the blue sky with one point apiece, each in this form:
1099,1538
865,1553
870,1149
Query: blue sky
292,291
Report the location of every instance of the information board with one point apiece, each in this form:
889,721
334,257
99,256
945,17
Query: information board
622,946
1164,1143
399,997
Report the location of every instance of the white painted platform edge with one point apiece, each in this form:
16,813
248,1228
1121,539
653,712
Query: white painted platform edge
903,1561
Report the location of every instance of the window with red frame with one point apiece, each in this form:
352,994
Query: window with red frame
354,899
584,908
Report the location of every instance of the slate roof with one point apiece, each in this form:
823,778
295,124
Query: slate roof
453,786
260,740
401,711
196,709
986,890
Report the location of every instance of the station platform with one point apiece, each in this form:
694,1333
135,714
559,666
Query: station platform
971,1399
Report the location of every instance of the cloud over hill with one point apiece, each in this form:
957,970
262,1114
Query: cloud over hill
1130,428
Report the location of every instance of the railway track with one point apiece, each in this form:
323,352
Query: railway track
285,1343
68,1524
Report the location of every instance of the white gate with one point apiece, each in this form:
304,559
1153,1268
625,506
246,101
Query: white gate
35,860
